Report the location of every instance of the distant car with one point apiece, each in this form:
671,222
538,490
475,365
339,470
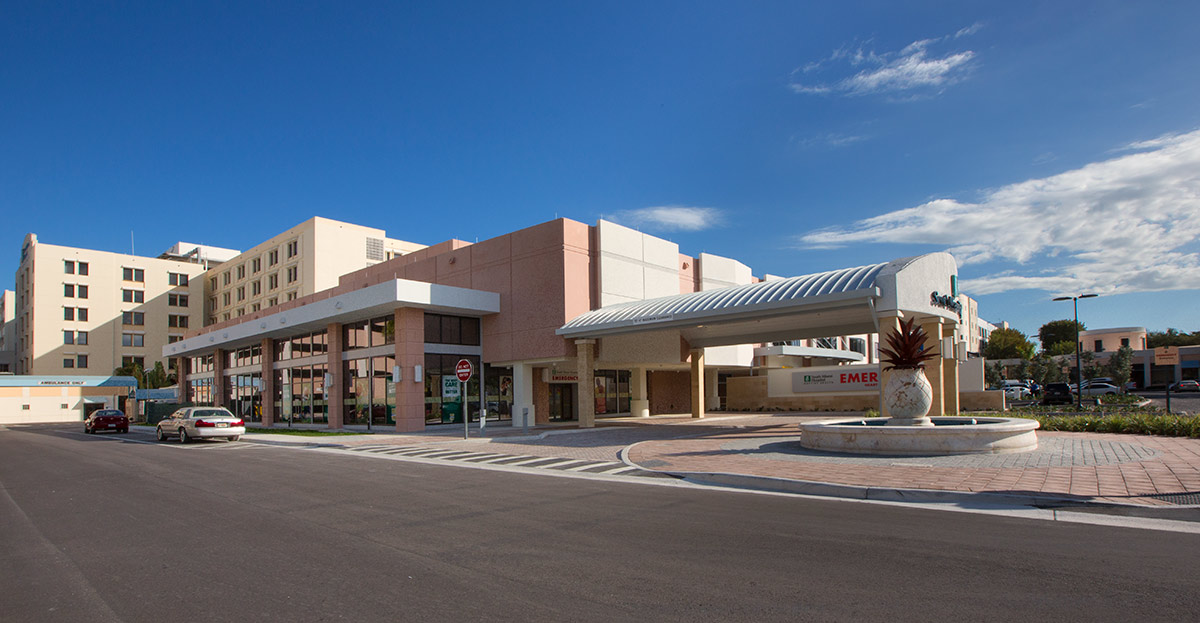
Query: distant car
1100,389
201,423
1017,392
106,419
1057,394
1185,386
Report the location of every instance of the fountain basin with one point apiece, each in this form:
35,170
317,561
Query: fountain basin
948,435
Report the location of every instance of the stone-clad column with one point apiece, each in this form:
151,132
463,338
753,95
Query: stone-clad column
523,405
334,390
410,353
267,398
697,382
888,326
587,382
950,374
220,382
639,400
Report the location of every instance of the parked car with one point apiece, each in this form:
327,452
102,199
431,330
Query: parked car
1057,394
1100,389
1017,392
1185,386
106,419
201,423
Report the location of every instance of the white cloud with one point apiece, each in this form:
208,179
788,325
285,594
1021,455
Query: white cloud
683,218
831,139
913,69
1129,224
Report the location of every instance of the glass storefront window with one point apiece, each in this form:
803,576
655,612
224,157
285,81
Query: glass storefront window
444,410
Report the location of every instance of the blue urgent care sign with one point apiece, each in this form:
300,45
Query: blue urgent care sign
835,379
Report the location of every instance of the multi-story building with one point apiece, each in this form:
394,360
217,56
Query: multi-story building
559,321
307,258
973,330
80,311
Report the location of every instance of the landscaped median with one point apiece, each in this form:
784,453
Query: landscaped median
1128,414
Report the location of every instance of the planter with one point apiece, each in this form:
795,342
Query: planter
908,397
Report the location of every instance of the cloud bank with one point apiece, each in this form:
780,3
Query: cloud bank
915,70
1129,224
670,218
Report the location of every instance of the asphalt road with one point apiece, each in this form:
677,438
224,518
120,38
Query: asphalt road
100,528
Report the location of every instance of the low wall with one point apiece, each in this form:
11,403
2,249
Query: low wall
988,400
749,393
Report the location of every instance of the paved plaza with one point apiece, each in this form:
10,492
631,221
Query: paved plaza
763,451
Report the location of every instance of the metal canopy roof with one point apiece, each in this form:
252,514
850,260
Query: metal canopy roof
829,303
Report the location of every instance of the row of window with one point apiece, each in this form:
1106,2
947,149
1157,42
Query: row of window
71,291
71,267
75,361
292,275
137,318
292,249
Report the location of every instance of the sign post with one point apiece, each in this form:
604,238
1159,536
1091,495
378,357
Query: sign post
463,371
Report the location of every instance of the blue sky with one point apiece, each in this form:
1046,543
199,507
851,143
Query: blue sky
1052,147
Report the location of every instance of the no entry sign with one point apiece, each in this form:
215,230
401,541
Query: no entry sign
464,370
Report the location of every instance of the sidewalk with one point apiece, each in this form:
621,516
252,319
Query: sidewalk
762,451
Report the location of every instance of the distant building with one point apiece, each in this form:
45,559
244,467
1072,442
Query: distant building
302,260
8,332
1105,340
80,311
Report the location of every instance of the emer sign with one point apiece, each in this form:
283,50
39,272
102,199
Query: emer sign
835,379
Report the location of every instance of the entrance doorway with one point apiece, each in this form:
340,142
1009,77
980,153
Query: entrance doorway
562,402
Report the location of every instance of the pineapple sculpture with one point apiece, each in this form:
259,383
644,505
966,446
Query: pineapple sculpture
908,394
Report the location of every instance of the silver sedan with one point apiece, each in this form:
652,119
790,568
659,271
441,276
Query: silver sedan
201,423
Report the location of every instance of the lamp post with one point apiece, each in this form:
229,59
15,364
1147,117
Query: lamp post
1078,347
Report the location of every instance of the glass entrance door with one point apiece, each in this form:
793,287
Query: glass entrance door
562,402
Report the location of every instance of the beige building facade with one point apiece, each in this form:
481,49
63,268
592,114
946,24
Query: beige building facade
303,260
80,311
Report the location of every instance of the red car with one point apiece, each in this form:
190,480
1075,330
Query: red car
106,419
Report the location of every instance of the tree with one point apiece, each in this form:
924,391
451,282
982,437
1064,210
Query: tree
158,377
1008,344
1120,366
1091,369
1060,348
134,370
1045,369
1172,337
992,374
1057,331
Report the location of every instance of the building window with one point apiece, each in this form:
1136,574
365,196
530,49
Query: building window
256,265
273,257
255,288
225,278
69,267
68,337
177,321
241,293
225,316
255,307
68,362
1099,346
177,279
171,339
440,329
81,361
177,300
83,268
133,274
1124,341
133,318
241,272
69,290
291,296
293,273
273,301
241,311
68,313
81,314
293,249
225,298
212,283
133,360
81,338
81,292
133,296
272,281
133,339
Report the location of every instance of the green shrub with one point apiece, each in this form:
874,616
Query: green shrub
1138,423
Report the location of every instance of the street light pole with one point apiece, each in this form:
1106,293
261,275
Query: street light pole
1078,348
